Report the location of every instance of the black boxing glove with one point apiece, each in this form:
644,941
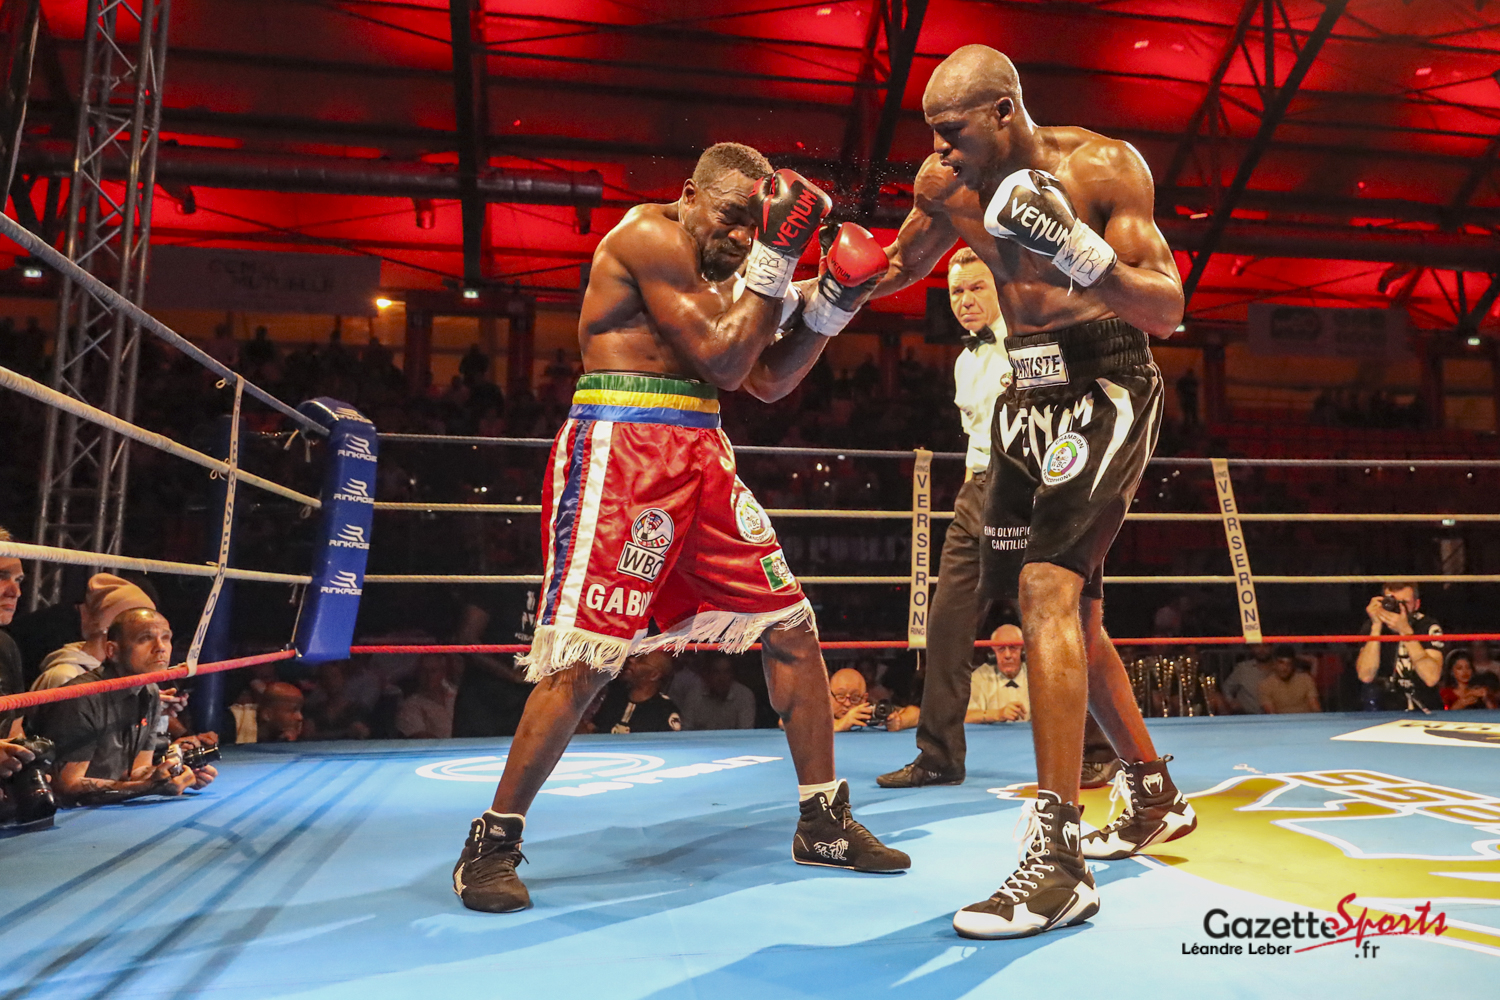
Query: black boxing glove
855,261
1032,208
788,209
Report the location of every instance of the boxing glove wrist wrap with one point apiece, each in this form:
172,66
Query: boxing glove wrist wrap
1086,258
1032,208
767,272
790,301
822,316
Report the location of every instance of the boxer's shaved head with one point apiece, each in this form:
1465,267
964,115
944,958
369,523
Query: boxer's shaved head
725,156
973,105
714,207
973,76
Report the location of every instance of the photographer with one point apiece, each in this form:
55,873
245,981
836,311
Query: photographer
1401,676
12,681
106,742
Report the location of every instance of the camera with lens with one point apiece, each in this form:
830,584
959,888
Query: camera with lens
880,713
27,798
191,756
1392,605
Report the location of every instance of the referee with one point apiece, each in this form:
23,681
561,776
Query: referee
982,372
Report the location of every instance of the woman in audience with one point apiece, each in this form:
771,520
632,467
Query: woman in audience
1458,689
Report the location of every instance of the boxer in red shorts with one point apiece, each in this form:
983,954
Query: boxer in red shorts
643,517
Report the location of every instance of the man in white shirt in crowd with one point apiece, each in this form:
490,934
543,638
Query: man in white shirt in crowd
999,692
981,373
427,713
714,700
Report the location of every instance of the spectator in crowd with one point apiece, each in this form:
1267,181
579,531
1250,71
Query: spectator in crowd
636,702
246,705
278,714
714,700
107,597
1241,689
329,712
1491,685
1459,689
981,372
223,348
474,366
1286,689
12,681
427,713
1401,676
1479,655
492,690
256,354
1187,398
106,742
1000,693
850,706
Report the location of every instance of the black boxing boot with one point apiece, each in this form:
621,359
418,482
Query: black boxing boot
1155,812
485,877
1051,887
829,835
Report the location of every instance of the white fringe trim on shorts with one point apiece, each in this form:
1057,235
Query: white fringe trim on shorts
554,648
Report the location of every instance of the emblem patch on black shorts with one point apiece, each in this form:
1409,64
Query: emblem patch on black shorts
650,538
778,573
750,517
1064,458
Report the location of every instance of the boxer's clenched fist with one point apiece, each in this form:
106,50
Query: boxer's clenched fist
855,262
788,208
1032,208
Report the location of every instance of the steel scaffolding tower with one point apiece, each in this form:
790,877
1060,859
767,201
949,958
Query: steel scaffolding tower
85,468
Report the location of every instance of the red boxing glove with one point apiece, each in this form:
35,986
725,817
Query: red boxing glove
789,209
855,263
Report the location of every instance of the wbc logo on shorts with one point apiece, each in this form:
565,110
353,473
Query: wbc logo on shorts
651,535
1064,459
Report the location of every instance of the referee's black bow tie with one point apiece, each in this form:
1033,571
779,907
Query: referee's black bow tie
973,340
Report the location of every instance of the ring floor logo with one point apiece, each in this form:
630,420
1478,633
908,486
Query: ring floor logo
1359,855
588,773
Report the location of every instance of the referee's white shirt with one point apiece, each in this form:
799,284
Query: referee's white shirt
981,374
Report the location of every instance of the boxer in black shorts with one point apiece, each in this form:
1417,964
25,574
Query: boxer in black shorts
1068,444
1063,217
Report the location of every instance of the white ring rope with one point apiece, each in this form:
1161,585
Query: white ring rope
80,557
1345,463
29,387
109,297
905,515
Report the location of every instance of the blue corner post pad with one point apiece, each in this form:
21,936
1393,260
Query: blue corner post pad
329,609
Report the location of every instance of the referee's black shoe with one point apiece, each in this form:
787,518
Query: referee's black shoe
485,877
914,775
829,835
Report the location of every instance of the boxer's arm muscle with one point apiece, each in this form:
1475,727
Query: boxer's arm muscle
782,366
926,234
1144,289
720,344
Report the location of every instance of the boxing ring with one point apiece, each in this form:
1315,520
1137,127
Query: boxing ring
659,863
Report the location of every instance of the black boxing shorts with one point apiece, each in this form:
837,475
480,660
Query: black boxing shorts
1069,441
